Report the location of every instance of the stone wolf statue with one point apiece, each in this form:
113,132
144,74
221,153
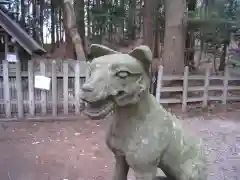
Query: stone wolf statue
142,134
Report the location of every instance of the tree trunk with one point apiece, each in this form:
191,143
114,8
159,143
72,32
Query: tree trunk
148,23
131,20
80,21
72,29
57,28
148,32
60,24
34,25
23,13
122,5
52,25
189,54
155,64
88,21
42,2
223,57
17,10
174,40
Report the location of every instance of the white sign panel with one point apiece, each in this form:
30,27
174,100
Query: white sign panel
42,82
11,57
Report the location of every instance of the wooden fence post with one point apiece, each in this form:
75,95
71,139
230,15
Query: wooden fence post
54,89
206,86
31,88
225,86
43,92
159,83
77,87
65,87
6,89
19,90
185,89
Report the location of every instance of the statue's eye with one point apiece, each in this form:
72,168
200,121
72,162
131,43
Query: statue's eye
122,74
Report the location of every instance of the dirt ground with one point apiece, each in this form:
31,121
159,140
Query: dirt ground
75,150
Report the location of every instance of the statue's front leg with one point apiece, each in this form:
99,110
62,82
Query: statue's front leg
121,168
148,173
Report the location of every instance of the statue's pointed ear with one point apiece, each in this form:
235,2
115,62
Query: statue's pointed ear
144,54
97,50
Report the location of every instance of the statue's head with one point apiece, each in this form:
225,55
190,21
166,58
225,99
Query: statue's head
115,79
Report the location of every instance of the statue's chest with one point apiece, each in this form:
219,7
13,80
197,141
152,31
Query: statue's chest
119,135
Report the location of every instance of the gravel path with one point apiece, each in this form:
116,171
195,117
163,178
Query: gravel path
77,151
222,143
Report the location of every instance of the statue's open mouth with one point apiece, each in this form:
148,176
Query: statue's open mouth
98,109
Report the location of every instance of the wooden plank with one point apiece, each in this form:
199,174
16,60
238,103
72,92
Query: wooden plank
215,98
206,86
195,99
6,89
77,87
54,89
185,89
43,92
19,90
172,77
196,77
31,88
169,101
65,88
159,83
220,77
233,87
19,84
172,89
195,88
225,86
193,77
234,98
233,78
216,88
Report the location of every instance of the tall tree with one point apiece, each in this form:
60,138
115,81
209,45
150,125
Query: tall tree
34,20
53,23
131,19
148,15
189,53
174,40
41,18
23,13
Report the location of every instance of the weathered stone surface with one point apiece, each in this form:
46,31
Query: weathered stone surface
142,134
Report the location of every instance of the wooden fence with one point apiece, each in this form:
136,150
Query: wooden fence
221,83
20,100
